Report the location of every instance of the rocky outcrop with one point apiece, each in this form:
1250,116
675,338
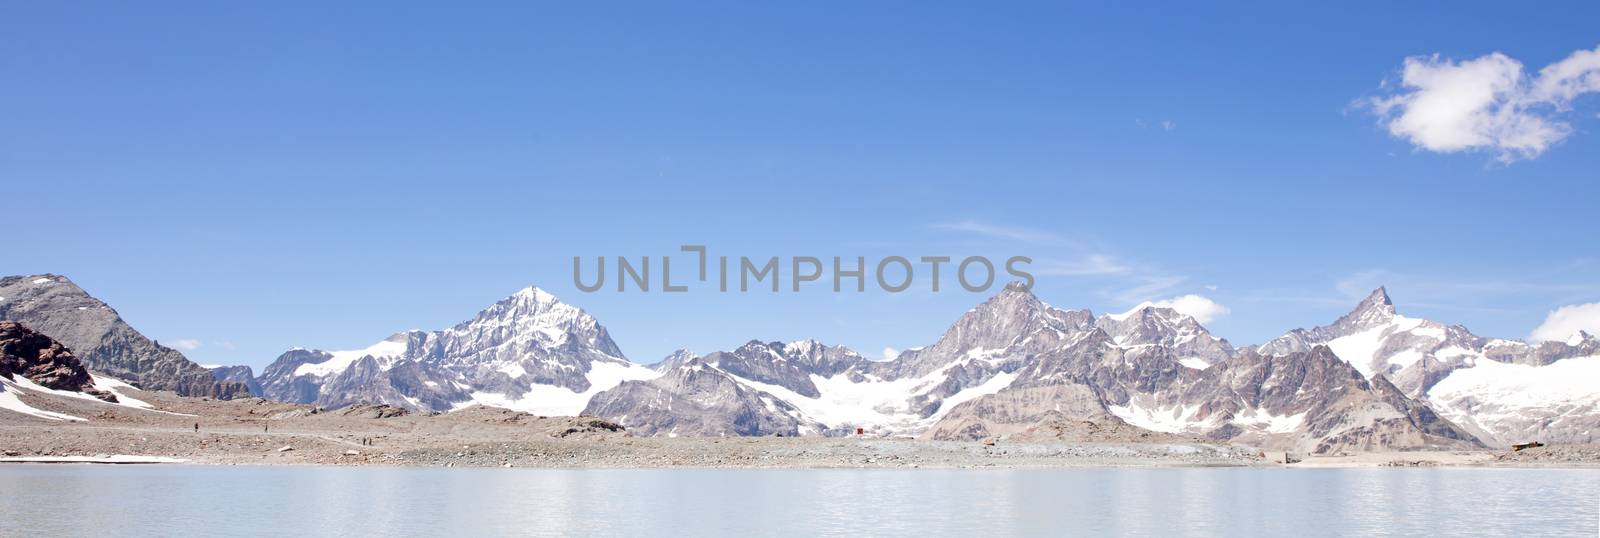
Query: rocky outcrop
44,361
698,398
102,341
374,411
1036,409
237,374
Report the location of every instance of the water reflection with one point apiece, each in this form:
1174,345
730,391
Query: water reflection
250,501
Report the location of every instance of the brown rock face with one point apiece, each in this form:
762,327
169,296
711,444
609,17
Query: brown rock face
43,361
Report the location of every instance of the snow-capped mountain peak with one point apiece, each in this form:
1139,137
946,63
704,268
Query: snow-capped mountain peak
1014,317
1376,309
1148,325
536,314
528,351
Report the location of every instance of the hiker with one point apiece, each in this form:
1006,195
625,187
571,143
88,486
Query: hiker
197,427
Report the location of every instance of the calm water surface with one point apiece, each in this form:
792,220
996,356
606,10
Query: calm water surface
83,500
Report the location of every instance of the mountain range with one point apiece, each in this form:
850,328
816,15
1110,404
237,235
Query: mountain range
1013,366
528,352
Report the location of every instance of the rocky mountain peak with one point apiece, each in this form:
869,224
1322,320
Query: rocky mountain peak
1149,325
530,302
1014,298
1005,319
1376,309
802,347
1377,303
675,359
532,313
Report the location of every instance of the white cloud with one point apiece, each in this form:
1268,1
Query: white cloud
996,231
1090,265
1561,82
1166,125
1486,103
186,344
1562,322
1150,285
890,353
1202,309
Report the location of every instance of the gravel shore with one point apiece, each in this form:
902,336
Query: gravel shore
260,432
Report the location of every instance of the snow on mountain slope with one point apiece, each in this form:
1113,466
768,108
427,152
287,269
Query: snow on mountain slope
983,353
15,395
881,406
528,352
11,400
1505,391
389,349
1371,380
561,401
1514,403
1170,419
1375,339
1362,349
1150,326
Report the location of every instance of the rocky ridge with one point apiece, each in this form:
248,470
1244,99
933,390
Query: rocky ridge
56,307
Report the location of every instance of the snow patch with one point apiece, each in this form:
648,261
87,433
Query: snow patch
875,404
1574,340
10,401
1405,358
1263,420
1194,363
341,360
550,400
1361,349
119,388
1358,349
994,384
1175,419
109,384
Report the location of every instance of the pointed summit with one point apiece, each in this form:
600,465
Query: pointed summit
1008,318
675,359
1376,309
1378,296
1017,286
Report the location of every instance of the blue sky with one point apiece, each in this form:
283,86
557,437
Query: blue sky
254,179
